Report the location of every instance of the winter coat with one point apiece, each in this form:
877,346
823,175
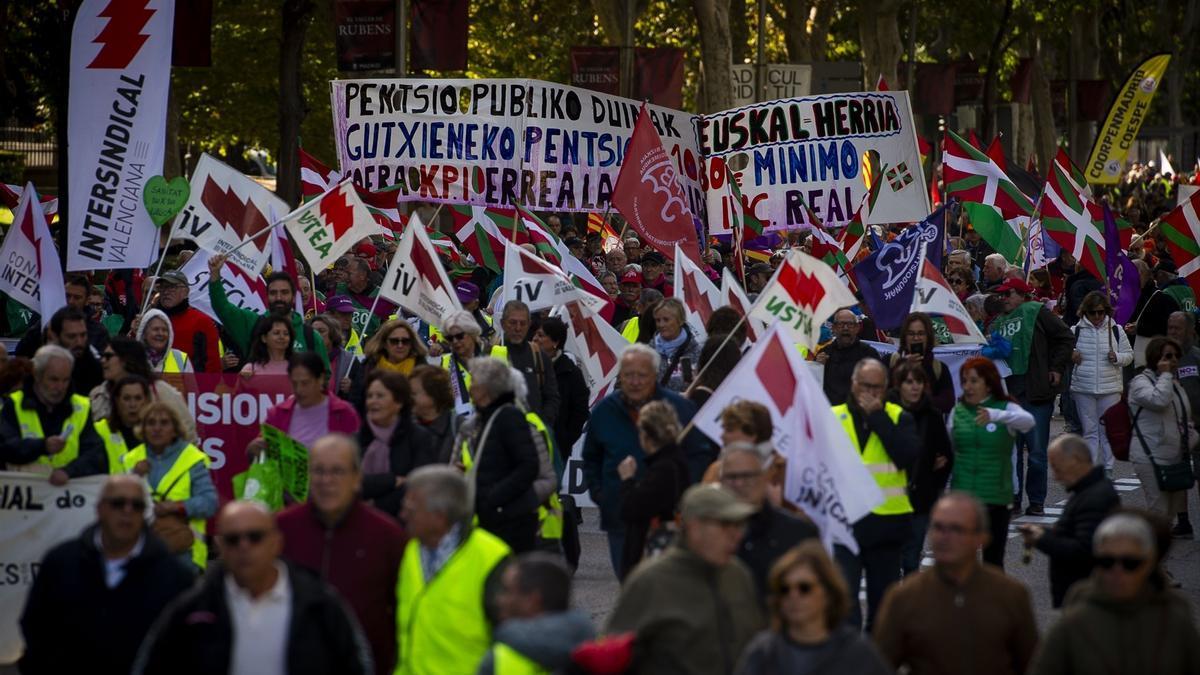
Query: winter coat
541,393
770,533
845,651
925,483
410,446
508,467
1095,374
654,495
1068,542
573,405
840,367
70,597
194,635
1159,409
1050,352
161,390
689,615
1152,633
195,334
673,372
547,639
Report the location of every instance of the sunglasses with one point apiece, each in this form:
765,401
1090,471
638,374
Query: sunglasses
126,504
395,341
802,588
1127,563
456,337
234,539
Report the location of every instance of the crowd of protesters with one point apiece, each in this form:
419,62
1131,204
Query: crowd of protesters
435,538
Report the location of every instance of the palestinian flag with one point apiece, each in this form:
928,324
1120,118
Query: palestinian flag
1181,228
998,210
1073,220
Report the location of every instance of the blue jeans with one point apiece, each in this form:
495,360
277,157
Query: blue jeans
1031,469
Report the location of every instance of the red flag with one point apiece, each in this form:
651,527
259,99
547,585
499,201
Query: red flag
649,196
881,84
996,152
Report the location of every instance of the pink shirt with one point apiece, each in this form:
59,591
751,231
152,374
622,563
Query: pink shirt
309,424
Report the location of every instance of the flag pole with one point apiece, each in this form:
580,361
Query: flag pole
158,269
703,368
312,280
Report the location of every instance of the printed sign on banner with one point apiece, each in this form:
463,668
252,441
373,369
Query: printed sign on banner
35,516
810,151
243,290
116,129
498,142
291,457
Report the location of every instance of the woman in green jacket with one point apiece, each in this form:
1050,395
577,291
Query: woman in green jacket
982,426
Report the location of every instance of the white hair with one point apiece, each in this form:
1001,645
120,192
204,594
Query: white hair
47,354
494,375
1125,526
461,320
639,349
998,260
445,490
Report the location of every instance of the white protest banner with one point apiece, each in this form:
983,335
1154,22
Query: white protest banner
825,476
801,295
243,290
224,208
29,271
934,296
953,356
35,516
733,295
498,142
116,130
596,345
539,284
697,292
810,151
416,279
326,227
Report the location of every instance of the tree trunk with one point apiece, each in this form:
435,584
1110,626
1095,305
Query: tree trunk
172,160
611,14
1085,49
1180,63
879,38
296,16
988,119
1046,136
739,30
716,55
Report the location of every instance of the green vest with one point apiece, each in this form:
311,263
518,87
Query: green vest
177,482
31,427
1018,327
982,455
441,628
1182,295
114,445
508,661
892,481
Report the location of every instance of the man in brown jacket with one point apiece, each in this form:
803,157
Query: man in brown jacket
960,616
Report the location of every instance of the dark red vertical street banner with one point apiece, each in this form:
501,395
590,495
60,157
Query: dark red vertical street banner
439,35
191,45
365,34
935,88
658,76
597,68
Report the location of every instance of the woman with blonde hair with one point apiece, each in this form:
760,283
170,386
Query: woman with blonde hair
676,344
395,347
808,603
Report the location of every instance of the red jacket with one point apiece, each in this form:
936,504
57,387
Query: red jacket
342,417
360,558
196,336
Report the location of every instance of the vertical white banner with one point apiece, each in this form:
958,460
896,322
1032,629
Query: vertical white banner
117,125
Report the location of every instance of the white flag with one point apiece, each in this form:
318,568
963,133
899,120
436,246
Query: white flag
596,345
29,271
243,290
328,226
116,129
825,476
416,279
697,292
802,294
1164,164
733,295
226,207
539,284
934,296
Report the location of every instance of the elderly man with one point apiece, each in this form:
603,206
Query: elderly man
628,297
254,614
352,546
886,441
961,615
694,608
540,383
633,250
45,429
1069,542
770,531
995,271
441,621
359,289
840,356
195,333
612,436
104,589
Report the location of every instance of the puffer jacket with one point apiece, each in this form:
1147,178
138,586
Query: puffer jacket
1095,374
1159,409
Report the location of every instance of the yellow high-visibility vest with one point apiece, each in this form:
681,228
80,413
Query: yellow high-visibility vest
177,481
114,446
175,361
31,427
892,481
508,661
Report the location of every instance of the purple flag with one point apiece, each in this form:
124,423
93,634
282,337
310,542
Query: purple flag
888,278
1123,280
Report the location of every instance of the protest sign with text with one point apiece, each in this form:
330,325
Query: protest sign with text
802,294
29,271
416,279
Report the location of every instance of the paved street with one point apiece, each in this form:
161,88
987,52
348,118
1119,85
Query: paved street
596,588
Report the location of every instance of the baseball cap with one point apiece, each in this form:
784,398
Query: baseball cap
466,292
366,249
631,277
1017,285
173,278
654,258
713,502
339,303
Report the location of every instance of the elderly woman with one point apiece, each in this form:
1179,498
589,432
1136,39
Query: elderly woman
808,604
341,360
393,443
651,499
433,407
1162,426
675,343
270,346
496,447
1101,353
1122,620
177,472
461,332
155,331
395,347
123,357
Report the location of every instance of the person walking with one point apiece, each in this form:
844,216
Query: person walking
311,411
677,345
393,443
192,331
1162,425
648,503
541,384
1101,352
917,340
433,407
123,357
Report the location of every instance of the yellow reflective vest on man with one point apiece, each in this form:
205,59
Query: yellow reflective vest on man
892,480
31,427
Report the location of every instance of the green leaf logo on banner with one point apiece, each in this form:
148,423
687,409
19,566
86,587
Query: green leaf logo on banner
163,200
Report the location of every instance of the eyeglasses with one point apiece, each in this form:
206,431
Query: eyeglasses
946,528
126,503
803,588
739,477
456,337
397,341
1127,563
234,539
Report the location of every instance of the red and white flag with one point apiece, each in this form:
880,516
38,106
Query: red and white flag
29,271
416,279
243,290
825,476
649,195
540,284
596,345
1181,228
734,296
700,297
802,294
10,196
328,226
934,296
315,177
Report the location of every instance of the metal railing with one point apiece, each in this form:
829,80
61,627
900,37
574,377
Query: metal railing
39,148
